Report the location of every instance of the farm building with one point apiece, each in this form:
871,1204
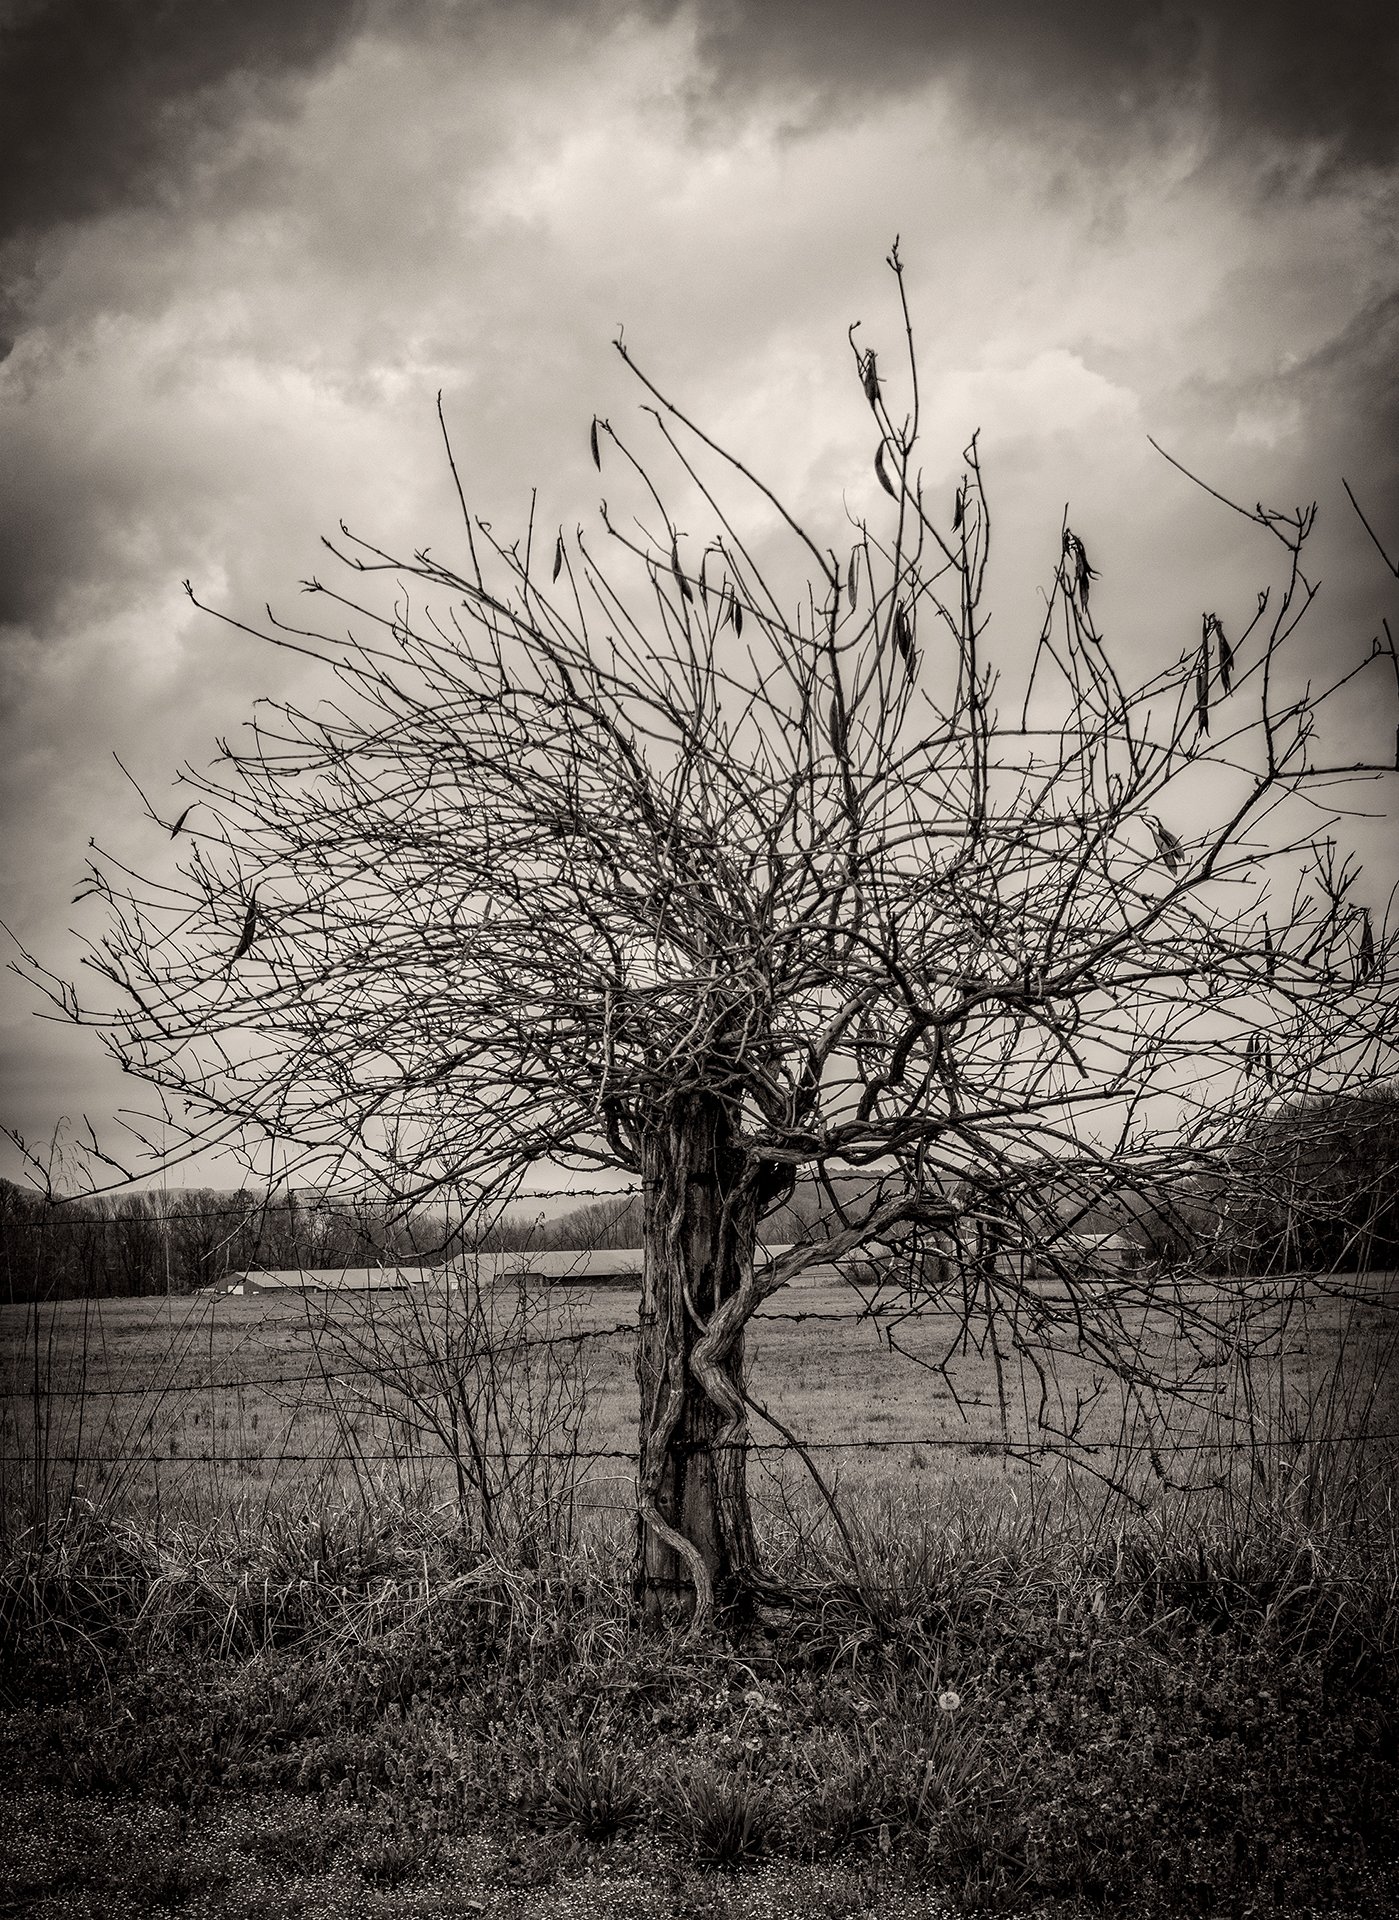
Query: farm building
606,1266
1093,1253
600,1267
325,1280
934,1260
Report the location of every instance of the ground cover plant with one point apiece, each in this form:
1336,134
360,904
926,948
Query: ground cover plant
1072,1709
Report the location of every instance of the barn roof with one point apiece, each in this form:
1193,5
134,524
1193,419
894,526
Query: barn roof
598,1266
609,1263
332,1279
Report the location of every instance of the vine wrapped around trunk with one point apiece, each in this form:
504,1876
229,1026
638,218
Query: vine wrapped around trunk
695,1530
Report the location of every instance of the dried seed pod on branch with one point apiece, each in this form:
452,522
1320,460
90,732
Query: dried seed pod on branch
811,919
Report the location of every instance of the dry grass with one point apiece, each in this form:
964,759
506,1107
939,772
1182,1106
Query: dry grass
196,1409
1060,1714
1026,1696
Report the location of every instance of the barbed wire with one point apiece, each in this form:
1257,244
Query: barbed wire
241,1383
870,1314
340,1207
259,1209
411,1457
326,1207
414,1457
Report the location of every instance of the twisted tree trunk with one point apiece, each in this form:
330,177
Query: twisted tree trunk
694,1525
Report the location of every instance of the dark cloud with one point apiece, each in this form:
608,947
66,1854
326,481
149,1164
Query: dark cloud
1354,380
106,104
1272,70
1351,389
103,102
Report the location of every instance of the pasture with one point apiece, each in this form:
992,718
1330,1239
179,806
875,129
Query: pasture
196,1406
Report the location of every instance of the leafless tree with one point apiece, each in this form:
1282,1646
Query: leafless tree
729,864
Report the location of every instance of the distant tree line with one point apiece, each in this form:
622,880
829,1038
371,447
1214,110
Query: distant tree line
176,1242
111,1247
1322,1193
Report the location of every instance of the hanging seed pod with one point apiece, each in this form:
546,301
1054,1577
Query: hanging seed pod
871,379
1270,959
680,580
1168,844
249,928
592,442
903,636
1367,949
1268,1064
558,557
567,682
837,729
735,612
1083,573
1202,697
959,511
1226,659
182,819
1250,1056
853,581
882,473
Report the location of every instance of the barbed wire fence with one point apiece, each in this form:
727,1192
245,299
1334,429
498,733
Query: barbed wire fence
56,1432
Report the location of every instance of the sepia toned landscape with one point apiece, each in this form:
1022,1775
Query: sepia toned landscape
699,1143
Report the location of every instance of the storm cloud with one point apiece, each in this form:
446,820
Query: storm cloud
246,246
1277,77
107,103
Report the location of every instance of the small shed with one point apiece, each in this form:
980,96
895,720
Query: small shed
602,1267
1091,1255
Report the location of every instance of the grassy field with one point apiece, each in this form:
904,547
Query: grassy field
241,1675
193,1407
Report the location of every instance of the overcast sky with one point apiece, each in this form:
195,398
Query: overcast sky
243,246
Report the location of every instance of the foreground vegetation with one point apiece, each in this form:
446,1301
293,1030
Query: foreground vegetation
291,1674
1187,1710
